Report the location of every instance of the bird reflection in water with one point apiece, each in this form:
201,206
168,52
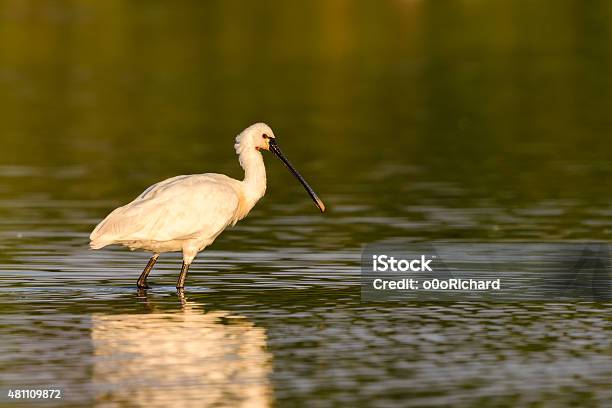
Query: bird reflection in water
180,358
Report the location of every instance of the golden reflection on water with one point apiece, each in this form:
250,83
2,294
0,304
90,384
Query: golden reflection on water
180,358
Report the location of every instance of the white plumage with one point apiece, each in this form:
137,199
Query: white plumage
186,213
196,207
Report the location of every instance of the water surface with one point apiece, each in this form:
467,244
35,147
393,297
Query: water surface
465,121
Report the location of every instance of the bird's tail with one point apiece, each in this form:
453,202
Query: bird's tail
97,244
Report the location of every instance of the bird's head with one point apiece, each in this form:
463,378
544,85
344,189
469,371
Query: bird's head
257,136
260,137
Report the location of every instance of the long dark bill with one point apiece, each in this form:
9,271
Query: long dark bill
277,151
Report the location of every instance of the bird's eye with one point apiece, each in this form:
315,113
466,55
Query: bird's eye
265,136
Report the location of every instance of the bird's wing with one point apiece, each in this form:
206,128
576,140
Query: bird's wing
177,208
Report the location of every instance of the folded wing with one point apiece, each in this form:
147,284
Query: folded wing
179,208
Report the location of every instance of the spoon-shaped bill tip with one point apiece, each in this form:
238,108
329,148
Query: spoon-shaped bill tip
320,204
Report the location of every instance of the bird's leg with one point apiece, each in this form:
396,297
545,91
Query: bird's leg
180,292
180,284
190,250
142,280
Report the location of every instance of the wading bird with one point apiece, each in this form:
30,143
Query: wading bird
187,213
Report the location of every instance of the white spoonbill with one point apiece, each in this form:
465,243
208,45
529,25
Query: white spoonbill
187,213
